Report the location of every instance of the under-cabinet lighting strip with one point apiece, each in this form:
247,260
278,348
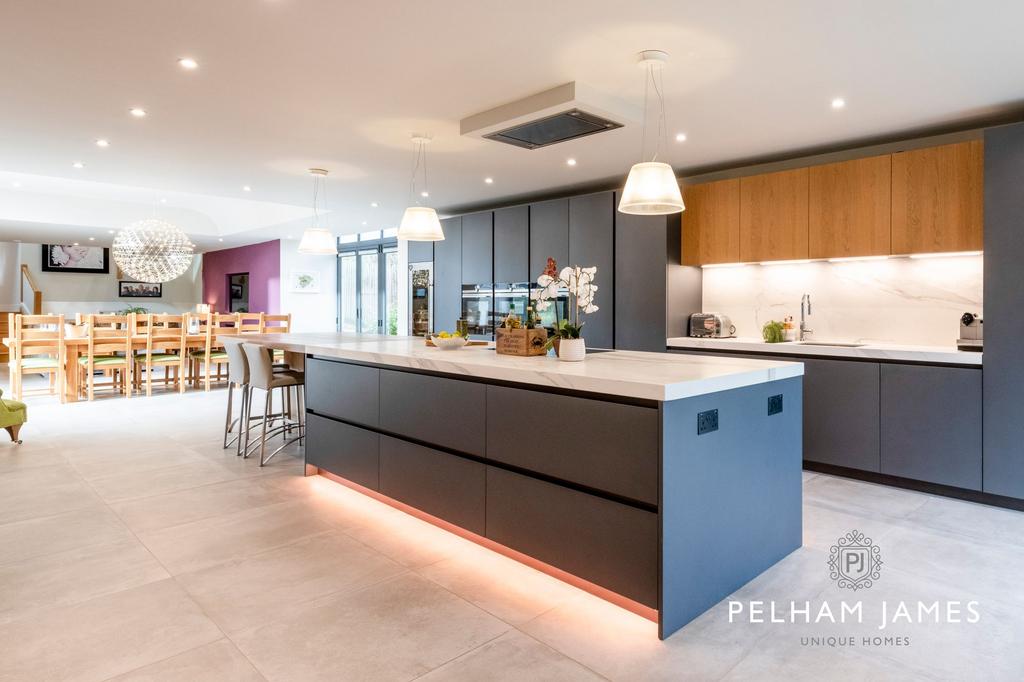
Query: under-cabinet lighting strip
848,259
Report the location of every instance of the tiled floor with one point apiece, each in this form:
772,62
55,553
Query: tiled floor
132,547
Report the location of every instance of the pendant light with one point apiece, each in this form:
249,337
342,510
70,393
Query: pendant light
651,187
420,223
316,239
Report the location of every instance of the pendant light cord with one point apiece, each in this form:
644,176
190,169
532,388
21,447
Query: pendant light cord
653,78
419,158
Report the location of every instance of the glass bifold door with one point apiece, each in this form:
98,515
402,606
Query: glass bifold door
368,288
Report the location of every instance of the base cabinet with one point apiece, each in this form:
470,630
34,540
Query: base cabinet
607,543
931,424
344,450
841,413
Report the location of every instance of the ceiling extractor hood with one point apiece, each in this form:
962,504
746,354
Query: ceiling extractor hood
563,113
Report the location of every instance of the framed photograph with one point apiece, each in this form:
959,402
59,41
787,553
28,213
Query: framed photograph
139,290
236,291
91,260
305,282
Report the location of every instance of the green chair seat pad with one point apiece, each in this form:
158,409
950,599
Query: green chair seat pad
214,355
103,361
39,363
160,359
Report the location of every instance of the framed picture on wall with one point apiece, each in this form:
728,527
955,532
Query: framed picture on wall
305,282
139,290
92,260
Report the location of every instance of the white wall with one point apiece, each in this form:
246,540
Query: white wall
896,300
310,312
71,293
10,277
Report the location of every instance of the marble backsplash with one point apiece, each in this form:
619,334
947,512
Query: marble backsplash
916,301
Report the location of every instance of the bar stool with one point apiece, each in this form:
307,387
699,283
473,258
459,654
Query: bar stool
263,376
238,375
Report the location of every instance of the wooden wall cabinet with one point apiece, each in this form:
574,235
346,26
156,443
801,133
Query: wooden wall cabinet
849,212
773,216
711,223
938,198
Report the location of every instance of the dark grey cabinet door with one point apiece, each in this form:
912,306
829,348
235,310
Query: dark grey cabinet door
448,276
841,413
1004,300
592,242
343,450
641,261
443,485
343,391
477,248
445,412
421,252
931,424
549,234
512,245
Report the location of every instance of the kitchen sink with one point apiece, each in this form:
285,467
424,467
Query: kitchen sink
829,343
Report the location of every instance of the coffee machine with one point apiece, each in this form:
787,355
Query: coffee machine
972,332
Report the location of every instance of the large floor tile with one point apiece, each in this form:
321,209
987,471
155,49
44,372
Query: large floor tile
119,487
513,657
59,533
28,455
147,456
394,630
105,636
823,526
975,521
74,576
44,491
862,498
207,542
184,506
220,661
248,592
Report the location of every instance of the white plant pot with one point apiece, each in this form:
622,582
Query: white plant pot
572,350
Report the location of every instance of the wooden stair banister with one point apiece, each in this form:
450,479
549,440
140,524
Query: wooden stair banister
36,306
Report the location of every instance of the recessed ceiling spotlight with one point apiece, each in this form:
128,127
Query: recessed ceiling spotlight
373,204
75,244
15,184
364,222
680,137
78,164
137,112
570,162
102,142
246,188
110,232
489,181
92,239
424,193
163,201
220,239
188,63
838,103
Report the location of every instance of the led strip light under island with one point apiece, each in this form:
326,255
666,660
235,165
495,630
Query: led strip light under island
660,482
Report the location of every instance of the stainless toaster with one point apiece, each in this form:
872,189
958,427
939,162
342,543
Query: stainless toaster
711,325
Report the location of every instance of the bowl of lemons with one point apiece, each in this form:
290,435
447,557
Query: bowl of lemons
449,341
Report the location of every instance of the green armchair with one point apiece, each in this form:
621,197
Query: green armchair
12,415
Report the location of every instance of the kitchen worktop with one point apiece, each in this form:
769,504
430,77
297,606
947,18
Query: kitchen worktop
634,374
869,351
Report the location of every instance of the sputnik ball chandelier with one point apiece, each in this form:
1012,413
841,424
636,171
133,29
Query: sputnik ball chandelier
153,250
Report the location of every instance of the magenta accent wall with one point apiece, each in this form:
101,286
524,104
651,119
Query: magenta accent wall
261,261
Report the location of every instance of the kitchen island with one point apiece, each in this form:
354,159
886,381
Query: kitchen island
657,481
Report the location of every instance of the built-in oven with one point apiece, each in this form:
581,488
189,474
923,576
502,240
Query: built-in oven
478,310
421,299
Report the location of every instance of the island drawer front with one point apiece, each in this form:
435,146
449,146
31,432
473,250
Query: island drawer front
442,485
347,451
608,446
609,544
343,391
440,411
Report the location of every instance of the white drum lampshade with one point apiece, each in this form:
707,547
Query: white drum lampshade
420,224
651,189
317,241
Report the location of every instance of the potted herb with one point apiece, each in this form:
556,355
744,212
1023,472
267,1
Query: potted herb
579,283
773,332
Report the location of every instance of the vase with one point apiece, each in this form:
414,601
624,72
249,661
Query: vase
572,350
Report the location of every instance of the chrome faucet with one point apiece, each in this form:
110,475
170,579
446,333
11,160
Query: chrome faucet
804,330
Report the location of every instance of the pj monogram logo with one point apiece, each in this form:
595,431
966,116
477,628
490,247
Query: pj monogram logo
855,561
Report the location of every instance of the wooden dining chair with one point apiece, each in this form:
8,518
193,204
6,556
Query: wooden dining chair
277,324
109,350
250,323
166,347
212,355
38,348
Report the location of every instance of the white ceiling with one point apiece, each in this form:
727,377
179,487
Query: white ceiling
284,85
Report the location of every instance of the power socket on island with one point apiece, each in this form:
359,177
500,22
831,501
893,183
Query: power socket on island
707,421
774,404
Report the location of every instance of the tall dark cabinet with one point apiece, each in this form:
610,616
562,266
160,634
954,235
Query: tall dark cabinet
477,248
1003,369
512,245
592,242
448,275
421,252
549,234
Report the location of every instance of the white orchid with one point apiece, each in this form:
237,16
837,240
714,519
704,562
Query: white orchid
577,281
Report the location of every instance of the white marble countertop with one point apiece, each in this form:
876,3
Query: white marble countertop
869,350
653,376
